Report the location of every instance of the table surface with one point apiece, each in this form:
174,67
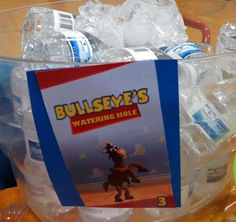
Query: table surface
213,13
221,209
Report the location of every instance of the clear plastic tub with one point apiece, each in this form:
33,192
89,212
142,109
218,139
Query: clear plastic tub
212,161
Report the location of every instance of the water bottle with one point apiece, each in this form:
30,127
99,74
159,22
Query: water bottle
208,128
213,177
226,40
35,173
19,89
63,46
209,169
40,194
42,198
40,19
34,158
224,97
187,188
105,214
226,43
128,55
189,50
210,172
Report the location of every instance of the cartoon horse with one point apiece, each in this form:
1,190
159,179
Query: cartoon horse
121,172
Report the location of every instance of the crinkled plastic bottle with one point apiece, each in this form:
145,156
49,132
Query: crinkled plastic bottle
63,46
66,47
40,194
49,36
226,43
206,118
189,50
34,158
226,40
187,189
128,55
150,23
213,176
19,89
40,19
207,131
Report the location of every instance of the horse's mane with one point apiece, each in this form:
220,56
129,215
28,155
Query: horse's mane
111,151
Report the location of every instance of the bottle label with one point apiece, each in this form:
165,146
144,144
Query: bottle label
34,150
80,47
212,125
63,20
141,53
184,51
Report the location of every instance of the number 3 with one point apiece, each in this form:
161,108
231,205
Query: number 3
162,202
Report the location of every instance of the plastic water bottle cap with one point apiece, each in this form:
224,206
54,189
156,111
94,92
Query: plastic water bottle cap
229,29
188,75
227,35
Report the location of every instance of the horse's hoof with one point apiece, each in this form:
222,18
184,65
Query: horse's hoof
129,197
143,170
118,200
105,185
135,180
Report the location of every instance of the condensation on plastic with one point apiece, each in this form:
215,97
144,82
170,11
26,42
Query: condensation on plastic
218,207
14,213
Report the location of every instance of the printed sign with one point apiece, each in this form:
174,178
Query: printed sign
109,134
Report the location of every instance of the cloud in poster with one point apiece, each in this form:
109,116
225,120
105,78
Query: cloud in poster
102,142
83,156
97,173
139,150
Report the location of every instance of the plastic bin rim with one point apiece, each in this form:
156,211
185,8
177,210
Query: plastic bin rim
71,64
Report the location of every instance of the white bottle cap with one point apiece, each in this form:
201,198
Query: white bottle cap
188,75
227,35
